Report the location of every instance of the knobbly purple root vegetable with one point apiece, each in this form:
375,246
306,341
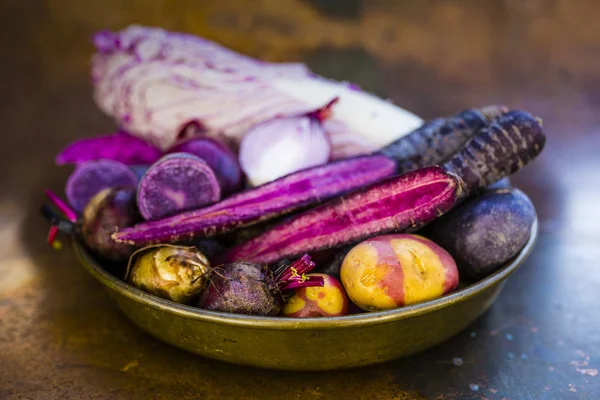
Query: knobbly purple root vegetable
107,211
176,183
120,147
404,202
218,157
486,231
437,140
265,202
247,288
92,177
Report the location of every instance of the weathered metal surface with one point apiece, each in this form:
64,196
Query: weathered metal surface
61,336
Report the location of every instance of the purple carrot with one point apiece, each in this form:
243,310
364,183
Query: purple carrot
437,140
92,177
265,202
404,202
119,146
177,182
218,157
311,186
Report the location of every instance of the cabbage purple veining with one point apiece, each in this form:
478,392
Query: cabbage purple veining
154,83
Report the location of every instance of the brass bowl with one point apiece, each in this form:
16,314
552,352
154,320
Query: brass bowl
311,343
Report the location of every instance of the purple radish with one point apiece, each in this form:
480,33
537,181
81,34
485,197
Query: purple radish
218,157
120,147
176,183
405,202
92,177
265,202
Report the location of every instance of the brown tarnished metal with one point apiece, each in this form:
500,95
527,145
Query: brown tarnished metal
62,337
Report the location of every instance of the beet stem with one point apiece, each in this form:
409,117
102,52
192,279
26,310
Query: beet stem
307,281
294,276
65,209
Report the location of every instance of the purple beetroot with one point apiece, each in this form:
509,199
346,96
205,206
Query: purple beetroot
247,288
92,177
176,183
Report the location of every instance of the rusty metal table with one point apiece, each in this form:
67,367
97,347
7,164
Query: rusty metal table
61,337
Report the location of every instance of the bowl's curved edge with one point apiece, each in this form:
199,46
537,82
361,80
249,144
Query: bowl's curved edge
380,317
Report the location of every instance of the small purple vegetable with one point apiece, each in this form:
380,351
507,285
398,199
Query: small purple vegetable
265,202
218,157
486,231
405,202
107,211
246,288
176,183
92,177
119,146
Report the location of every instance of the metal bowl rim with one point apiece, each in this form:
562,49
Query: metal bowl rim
279,323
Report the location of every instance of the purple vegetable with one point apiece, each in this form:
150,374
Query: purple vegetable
282,146
107,211
265,202
486,231
176,183
246,288
120,147
404,202
218,157
394,204
437,140
92,177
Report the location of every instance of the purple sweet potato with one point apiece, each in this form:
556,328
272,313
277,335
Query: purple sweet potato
119,146
176,183
486,231
265,202
92,177
218,157
404,202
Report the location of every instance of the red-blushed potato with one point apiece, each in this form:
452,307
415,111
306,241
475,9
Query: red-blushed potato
390,271
328,300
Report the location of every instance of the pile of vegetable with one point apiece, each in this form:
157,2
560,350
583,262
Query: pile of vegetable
258,188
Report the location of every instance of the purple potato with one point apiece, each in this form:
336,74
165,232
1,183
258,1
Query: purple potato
92,177
218,157
176,183
486,231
